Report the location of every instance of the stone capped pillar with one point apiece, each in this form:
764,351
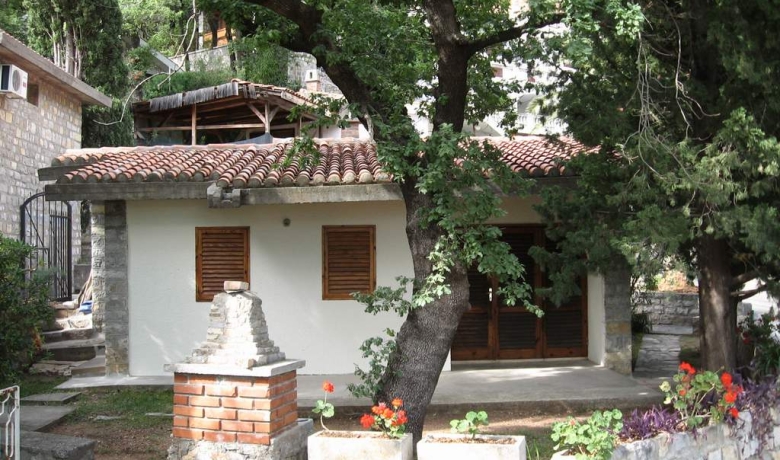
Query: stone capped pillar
236,396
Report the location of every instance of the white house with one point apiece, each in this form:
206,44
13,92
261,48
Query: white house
170,223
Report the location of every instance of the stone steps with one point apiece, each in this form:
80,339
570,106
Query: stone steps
76,349
95,367
63,310
50,399
67,334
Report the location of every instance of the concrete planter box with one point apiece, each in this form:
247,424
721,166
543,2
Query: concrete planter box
359,446
430,448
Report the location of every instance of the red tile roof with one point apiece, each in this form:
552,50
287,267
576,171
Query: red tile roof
341,161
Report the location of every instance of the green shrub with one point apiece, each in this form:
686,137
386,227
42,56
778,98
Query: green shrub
23,308
640,323
763,334
593,439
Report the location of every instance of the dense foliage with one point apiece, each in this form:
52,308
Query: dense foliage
23,308
84,38
763,335
686,108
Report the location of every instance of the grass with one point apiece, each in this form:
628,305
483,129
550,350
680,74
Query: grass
689,350
129,404
539,446
35,384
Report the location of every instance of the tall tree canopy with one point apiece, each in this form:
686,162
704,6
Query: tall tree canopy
688,113
84,38
385,56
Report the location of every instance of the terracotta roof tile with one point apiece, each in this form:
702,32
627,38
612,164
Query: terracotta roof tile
252,166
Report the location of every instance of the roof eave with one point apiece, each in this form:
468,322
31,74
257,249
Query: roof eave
31,61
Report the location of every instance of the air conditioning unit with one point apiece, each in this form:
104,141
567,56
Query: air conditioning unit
13,81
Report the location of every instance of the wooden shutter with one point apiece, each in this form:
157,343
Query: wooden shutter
221,254
348,261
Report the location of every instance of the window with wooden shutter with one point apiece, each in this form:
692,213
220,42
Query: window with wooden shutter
221,254
348,261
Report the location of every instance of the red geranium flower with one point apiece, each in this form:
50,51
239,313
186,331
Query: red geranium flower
367,421
683,392
687,368
734,412
327,387
730,397
726,379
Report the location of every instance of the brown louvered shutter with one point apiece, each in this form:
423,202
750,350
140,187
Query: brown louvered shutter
221,254
348,261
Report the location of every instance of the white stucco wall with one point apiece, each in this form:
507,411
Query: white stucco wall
166,322
596,319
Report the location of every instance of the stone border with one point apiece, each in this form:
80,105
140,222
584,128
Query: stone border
719,442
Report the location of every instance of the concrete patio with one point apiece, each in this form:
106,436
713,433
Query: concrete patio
541,386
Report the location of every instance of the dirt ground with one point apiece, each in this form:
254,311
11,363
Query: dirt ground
118,441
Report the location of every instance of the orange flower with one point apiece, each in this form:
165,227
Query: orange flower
376,410
388,413
687,368
730,397
734,412
683,392
398,402
726,380
401,417
367,421
327,387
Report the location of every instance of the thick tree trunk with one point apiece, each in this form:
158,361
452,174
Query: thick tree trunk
426,336
717,308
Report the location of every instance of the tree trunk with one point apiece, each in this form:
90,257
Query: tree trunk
718,310
424,341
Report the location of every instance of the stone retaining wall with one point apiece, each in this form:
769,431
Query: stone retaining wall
671,308
712,443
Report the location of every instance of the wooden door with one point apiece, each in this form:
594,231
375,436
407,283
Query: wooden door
492,330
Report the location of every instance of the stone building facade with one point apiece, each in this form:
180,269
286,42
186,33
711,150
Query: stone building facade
36,129
30,135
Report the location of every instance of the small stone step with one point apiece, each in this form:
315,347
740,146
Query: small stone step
58,368
76,350
67,334
65,309
93,368
50,399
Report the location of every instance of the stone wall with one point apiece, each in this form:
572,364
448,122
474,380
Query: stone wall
671,308
30,136
719,442
617,315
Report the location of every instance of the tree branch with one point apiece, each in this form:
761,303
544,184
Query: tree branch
742,295
474,46
739,280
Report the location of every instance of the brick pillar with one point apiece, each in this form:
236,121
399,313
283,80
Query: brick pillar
617,317
109,281
236,396
229,408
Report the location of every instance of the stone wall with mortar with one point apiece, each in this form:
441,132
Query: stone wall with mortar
719,442
617,318
30,136
109,282
671,308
